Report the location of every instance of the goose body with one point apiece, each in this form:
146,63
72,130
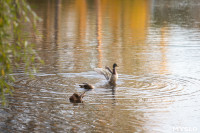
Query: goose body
110,75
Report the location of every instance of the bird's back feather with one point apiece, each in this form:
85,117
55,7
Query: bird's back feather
104,72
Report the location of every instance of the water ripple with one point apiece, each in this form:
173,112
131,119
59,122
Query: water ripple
142,98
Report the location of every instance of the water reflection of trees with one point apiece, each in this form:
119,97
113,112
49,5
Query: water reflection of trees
183,13
94,30
104,32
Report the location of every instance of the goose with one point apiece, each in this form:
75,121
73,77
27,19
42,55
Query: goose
110,75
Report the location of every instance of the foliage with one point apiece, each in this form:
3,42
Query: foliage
15,49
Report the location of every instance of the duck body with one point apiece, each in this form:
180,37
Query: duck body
110,75
87,86
76,98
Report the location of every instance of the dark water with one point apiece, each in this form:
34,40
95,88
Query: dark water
156,45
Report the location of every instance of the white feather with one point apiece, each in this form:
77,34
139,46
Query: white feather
104,72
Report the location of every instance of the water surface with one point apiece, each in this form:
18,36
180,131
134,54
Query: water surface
156,45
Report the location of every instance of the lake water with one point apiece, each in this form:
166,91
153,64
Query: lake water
156,45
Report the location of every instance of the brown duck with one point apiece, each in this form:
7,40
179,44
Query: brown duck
87,86
76,98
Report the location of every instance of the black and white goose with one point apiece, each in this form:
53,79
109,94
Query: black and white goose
110,75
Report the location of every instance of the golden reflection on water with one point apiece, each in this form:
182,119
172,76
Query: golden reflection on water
163,49
103,32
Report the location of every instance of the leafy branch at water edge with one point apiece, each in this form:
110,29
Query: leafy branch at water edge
15,48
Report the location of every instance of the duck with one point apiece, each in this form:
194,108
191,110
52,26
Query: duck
87,86
110,75
76,98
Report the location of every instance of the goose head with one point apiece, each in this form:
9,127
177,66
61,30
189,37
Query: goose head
115,65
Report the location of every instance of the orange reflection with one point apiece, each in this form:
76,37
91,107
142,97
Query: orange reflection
99,32
139,18
81,10
164,33
104,31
